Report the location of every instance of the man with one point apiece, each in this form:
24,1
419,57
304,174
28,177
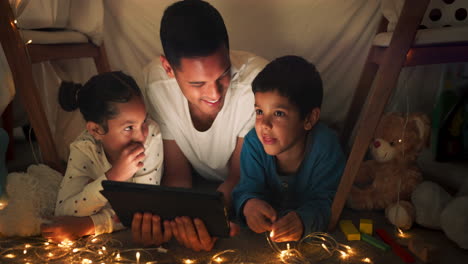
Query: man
200,94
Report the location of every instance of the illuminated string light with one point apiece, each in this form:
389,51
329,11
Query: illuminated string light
104,249
85,251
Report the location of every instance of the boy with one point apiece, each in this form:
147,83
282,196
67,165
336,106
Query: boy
291,163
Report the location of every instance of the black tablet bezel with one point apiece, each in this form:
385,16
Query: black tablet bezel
168,202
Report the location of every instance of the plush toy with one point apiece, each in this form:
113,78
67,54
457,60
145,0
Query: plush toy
436,208
31,199
392,174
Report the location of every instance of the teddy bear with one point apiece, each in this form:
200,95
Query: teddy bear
392,173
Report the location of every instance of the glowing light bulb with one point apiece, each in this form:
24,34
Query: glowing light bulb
118,256
218,259
75,250
343,254
401,233
189,261
137,256
326,248
367,260
10,256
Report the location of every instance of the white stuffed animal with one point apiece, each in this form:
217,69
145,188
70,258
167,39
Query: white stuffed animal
433,207
31,199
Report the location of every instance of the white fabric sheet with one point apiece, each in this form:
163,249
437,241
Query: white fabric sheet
333,34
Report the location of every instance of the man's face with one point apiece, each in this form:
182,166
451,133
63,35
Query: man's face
204,81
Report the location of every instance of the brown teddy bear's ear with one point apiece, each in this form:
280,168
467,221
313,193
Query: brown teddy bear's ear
424,126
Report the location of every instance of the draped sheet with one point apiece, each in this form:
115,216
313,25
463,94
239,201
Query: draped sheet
335,35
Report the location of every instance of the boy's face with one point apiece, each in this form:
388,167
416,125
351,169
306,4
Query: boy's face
279,125
203,81
128,127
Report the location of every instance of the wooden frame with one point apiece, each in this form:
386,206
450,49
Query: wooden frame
20,58
391,61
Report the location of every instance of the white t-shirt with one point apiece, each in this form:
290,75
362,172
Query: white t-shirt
79,193
208,152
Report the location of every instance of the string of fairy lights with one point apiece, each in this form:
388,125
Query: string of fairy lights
103,249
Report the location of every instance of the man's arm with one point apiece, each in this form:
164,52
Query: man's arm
177,170
234,172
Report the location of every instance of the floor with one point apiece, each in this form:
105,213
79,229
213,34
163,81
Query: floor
253,248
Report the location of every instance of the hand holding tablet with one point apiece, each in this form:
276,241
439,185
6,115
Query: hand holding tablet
167,202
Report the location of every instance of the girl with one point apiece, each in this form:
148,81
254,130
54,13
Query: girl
116,145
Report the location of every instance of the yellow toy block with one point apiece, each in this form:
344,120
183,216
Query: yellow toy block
349,230
365,226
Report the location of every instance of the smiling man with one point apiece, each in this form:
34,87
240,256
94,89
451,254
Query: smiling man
200,94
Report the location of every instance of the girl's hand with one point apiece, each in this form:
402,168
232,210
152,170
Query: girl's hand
63,228
259,215
128,163
288,228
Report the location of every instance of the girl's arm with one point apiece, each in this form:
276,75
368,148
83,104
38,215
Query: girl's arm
79,191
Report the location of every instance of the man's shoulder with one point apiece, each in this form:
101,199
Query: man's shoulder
154,72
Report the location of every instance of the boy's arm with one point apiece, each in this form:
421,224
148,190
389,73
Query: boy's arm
252,179
177,170
234,172
317,198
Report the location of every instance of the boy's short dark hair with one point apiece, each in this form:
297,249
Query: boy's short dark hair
292,77
191,28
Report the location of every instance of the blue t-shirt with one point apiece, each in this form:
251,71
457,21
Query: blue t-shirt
309,191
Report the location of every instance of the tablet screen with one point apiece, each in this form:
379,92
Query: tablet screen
168,202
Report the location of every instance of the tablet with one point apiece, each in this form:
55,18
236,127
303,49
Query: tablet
168,202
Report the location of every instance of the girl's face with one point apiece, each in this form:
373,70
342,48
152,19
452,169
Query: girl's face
279,125
129,126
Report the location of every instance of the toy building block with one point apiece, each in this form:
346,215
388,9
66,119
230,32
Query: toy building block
424,251
375,242
365,226
349,230
397,249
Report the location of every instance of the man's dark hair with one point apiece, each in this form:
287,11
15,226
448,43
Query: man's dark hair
191,28
292,77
